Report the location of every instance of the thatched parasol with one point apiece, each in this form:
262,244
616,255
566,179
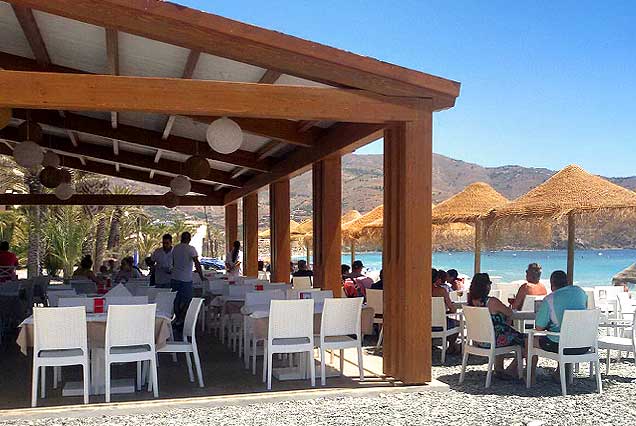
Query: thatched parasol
265,234
569,192
352,230
626,276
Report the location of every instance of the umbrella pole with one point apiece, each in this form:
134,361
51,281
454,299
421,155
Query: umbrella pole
353,252
571,235
478,235
307,251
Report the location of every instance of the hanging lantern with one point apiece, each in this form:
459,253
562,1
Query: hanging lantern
67,177
51,159
30,131
5,117
197,167
224,136
171,200
180,185
50,177
64,191
28,154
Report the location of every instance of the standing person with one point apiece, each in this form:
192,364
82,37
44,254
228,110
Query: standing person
184,258
234,260
8,263
163,262
532,286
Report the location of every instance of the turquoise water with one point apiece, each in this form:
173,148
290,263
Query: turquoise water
591,267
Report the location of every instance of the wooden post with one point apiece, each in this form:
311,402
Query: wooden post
407,254
250,235
353,252
327,202
478,239
280,239
231,225
571,240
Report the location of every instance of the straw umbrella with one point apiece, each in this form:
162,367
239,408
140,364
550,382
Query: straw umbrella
351,231
265,234
468,207
626,276
569,192
309,236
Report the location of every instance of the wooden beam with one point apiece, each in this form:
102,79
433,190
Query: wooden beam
336,139
327,212
188,71
304,125
103,153
269,148
280,244
103,200
270,77
250,235
123,93
192,29
231,225
144,137
112,51
407,242
32,33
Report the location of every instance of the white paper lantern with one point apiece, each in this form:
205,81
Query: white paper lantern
64,191
28,154
180,185
224,136
51,159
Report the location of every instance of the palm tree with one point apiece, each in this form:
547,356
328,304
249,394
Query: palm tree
67,230
114,234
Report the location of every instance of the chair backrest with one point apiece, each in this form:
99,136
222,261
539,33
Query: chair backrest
54,296
375,299
84,286
59,328
76,301
528,302
189,326
237,290
341,317
217,286
165,303
438,313
318,296
263,297
130,300
579,329
302,283
291,319
294,294
131,325
262,275
496,294
608,292
479,327
626,305
591,298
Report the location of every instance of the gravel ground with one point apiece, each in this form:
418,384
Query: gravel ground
505,403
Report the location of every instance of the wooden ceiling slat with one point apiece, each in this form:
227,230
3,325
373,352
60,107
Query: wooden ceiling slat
270,77
112,51
188,71
32,33
106,200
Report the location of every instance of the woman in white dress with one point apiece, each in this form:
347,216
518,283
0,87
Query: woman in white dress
234,260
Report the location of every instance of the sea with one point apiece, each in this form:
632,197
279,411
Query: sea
591,267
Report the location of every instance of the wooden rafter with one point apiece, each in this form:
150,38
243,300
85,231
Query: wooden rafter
188,71
215,35
269,149
112,51
270,77
124,93
32,33
105,200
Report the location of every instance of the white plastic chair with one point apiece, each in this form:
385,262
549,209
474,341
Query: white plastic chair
84,286
126,300
375,300
579,329
480,330
65,302
302,283
440,326
54,296
318,296
528,305
130,337
294,294
341,319
617,343
60,339
291,330
165,303
250,341
188,346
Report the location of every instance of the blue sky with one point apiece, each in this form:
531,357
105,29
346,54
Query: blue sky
544,83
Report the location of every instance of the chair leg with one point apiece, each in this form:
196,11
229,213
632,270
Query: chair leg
43,382
341,362
529,364
464,363
519,364
380,337
312,367
197,365
491,362
360,366
107,382
56,372
269,371
609,361
265,358
155,380
189,362
139,375
323,378
86,381
599,384
34,386
174,355
444,345
563,378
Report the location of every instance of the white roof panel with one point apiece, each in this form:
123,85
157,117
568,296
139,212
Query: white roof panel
212,67
13,39
144,57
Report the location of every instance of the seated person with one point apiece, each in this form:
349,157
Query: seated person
505,334
303,270
345,270
442,276
8,263
86,270
456,283
378,285
357,275
136,272
151,268
564,297
125,272
440,291
532,287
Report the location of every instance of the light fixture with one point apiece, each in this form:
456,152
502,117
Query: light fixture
224,135
180,185
64,191
28,154
51,159
170,200
51,177
197,167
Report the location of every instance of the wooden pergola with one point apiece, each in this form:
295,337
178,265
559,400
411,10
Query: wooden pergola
126,88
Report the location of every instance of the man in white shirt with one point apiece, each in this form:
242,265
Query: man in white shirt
184,258
163,263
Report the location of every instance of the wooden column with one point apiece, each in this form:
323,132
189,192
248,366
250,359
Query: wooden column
327,206
279,225
571,240
407,254
479,233
250,235
231,225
